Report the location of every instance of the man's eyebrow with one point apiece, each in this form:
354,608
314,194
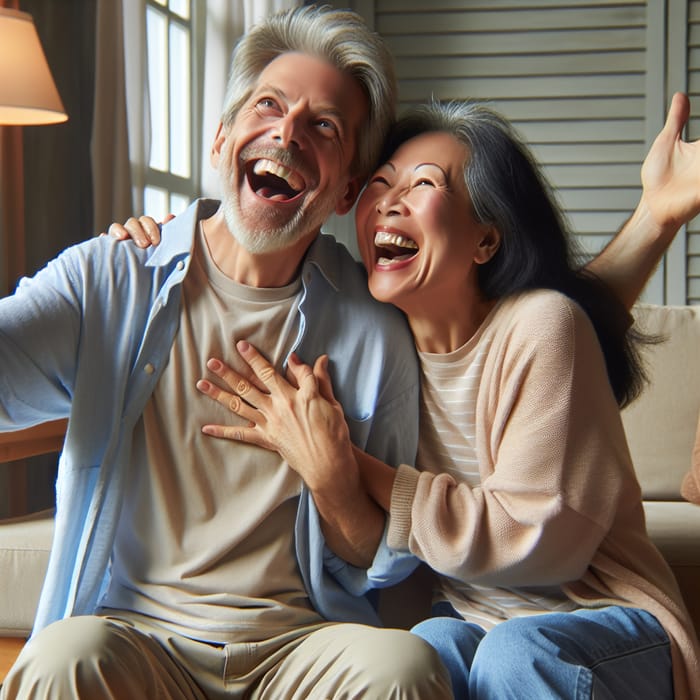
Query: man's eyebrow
266,87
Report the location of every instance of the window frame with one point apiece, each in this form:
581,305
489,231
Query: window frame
173,185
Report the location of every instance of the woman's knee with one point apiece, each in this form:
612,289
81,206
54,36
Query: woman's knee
456,642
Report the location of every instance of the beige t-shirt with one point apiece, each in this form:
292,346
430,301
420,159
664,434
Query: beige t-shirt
205,542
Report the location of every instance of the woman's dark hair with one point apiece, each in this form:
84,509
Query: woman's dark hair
509,192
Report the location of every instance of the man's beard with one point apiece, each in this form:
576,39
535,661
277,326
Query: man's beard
265,237
269,236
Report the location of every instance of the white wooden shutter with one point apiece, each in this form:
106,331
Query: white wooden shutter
586,83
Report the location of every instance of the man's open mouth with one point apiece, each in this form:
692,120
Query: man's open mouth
393,247
272,180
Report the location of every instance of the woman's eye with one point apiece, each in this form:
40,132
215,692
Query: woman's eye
379,180
424,182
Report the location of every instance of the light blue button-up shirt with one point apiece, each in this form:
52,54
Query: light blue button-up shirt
87,338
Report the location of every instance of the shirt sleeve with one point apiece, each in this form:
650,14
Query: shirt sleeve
393,441
39,336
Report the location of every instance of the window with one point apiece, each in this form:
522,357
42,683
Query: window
171,174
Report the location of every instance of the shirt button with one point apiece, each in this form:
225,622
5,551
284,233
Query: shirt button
149,368
180,265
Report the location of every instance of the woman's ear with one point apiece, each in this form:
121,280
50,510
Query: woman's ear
488,245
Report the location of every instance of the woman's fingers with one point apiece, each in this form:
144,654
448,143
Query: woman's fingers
144,231
239,384
302,374
233,402
151,228
238,433
264,371
325,385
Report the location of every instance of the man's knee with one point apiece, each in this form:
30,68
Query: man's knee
69,654
74,638
411,666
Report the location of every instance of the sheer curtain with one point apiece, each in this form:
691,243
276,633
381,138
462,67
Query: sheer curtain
109,144
224,23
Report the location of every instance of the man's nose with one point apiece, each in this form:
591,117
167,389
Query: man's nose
287,131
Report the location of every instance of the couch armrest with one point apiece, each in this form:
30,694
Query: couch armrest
40,439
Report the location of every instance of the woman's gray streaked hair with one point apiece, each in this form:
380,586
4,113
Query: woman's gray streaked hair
339,37
509,192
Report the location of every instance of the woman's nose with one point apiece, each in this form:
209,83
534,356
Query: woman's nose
390,204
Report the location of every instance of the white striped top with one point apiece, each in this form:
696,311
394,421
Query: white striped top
449,388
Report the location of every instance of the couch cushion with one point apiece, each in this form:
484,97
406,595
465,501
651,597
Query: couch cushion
690,488
661,423
24,554
675,529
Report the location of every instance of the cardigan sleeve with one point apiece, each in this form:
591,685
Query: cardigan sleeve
551,453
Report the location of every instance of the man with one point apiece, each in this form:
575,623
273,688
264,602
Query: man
183,567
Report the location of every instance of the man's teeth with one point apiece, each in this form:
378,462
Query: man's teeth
384,238
269,167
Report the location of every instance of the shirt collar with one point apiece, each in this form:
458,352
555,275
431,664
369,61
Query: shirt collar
325,253
181,230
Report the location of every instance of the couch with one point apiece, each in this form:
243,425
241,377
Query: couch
660,425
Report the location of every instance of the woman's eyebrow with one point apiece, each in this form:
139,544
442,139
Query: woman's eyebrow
434,165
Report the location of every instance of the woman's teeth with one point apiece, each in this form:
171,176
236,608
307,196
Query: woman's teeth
394,244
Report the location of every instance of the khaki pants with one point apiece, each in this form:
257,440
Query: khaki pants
96,657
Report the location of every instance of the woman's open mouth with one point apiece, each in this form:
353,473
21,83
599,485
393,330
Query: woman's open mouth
393,247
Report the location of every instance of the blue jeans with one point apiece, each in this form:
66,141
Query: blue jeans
612,653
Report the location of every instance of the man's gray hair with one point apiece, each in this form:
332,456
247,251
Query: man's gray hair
339,37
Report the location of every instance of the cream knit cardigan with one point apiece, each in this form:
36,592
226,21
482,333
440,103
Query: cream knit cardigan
558,503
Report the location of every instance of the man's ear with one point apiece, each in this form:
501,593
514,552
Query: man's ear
353,189
488,245
218,143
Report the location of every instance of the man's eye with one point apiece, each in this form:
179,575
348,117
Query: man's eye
327,124
266,103
424,182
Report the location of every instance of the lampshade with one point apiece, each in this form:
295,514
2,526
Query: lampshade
28,94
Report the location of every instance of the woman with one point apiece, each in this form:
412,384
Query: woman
523,498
